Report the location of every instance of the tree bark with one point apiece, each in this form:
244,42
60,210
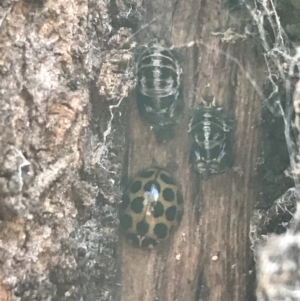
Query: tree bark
209,256
55,243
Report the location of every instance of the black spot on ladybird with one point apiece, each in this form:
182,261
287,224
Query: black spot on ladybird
147,173
134,239
167,179
148,241
137,205
158,209
168,194
126,221
136,186
161,230
142,228
171,213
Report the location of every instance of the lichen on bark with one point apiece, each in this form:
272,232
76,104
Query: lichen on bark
60,167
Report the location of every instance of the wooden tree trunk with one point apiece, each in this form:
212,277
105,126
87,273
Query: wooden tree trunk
209,256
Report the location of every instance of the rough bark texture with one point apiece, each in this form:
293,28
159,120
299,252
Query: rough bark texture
64,67
58,179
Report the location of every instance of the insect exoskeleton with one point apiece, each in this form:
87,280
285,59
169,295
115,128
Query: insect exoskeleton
159,88
211,128
151,208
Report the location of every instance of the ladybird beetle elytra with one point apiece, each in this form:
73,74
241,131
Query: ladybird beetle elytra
159,89
151,208
211,152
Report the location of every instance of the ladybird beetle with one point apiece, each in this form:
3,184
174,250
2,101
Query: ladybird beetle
210,128
151,208
159,88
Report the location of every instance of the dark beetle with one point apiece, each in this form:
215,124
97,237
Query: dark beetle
211,152
159,89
